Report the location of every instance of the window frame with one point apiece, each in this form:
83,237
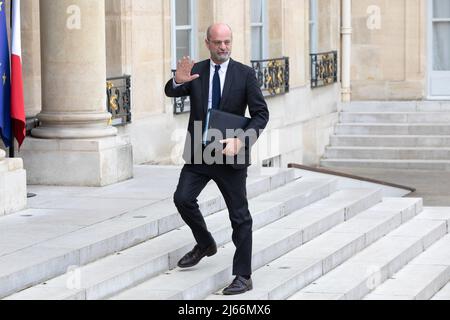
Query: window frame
263,26
313,26
193,50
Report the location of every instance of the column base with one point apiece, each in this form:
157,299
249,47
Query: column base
84,162
13,186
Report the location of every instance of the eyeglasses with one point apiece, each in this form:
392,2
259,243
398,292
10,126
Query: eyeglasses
218,43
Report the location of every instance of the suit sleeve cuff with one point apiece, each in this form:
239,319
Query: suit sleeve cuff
176,85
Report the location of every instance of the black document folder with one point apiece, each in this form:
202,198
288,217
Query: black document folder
225,125
225,121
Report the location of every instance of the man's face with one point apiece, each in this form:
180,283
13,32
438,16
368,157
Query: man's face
220,44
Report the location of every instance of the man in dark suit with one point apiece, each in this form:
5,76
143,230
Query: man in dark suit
224,84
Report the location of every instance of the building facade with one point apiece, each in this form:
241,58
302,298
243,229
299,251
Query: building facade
311,55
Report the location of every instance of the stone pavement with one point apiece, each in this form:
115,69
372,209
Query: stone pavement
73,226
56,211
432,186
315,236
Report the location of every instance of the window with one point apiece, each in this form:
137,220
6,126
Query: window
313,26
441,35
183,30
259,29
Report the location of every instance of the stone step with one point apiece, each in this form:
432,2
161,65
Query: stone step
424,276
396,106
430,165
103,278
300,267
443,294
51,258
365,271
269,243
395,117
419,280
393,153
413,282
392,129
390,141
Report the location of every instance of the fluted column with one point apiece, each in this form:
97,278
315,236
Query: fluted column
73,58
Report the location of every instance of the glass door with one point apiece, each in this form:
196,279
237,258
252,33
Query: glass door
439,49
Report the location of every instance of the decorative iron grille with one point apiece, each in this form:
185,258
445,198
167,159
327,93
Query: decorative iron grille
118,90
181,105
324,69
272,75
30,124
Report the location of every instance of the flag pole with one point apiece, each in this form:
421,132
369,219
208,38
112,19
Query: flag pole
11,148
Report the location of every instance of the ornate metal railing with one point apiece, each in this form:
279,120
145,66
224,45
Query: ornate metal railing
118,90
272,75
30,124
181,105
324,69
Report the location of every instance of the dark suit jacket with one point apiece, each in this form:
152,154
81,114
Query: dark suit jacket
240,90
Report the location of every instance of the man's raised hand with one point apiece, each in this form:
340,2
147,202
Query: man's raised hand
184,69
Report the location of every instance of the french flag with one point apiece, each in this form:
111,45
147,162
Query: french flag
5,83
12,111
17,101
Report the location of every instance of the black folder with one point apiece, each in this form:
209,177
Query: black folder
222,121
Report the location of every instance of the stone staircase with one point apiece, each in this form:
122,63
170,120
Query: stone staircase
316,236
394,135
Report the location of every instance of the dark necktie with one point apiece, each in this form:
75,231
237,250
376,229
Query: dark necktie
216,96
216,92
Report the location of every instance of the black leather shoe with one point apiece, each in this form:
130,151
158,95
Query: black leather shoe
193,257
238,286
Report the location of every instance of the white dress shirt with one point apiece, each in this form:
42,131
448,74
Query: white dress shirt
222,75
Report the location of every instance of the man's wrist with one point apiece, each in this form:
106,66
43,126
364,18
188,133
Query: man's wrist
175,84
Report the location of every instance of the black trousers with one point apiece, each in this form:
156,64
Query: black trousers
232,185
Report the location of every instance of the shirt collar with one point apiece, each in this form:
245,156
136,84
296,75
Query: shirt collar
223,66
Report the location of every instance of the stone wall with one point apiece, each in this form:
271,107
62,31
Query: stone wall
389,50
138,42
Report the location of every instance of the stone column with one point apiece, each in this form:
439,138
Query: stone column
75,144
346,49
13,186
31,62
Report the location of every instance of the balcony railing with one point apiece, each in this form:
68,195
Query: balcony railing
324,69
118,90
272,75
